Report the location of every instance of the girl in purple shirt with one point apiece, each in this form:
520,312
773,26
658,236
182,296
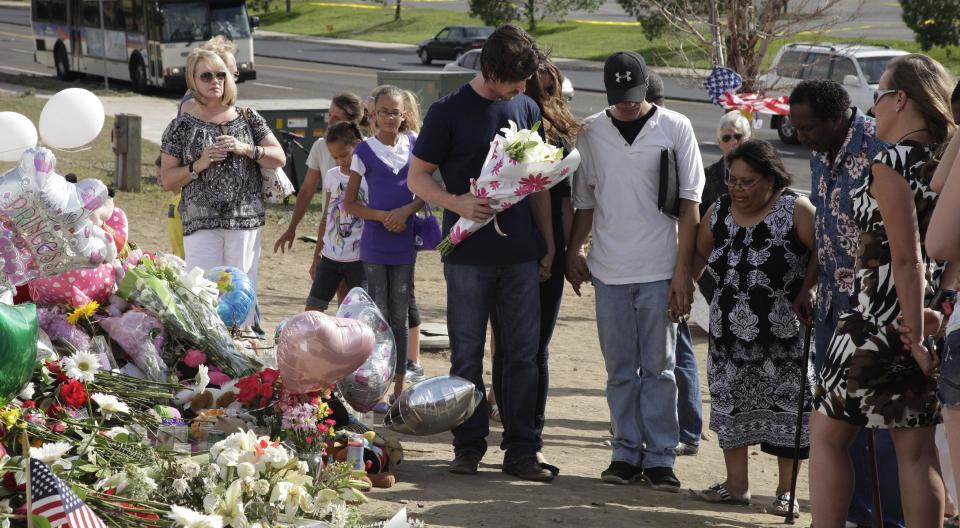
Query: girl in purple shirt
387,246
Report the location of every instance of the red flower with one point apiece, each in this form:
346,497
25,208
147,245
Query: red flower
248,387
56,371
29,404
266,392
55,410
73,393
269,376
59,427
10,483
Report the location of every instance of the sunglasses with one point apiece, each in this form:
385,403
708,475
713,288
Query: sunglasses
210,76
877,95
727,137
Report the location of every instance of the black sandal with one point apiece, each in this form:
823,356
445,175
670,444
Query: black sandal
551,468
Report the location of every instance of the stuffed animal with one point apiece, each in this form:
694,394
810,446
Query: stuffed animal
380,454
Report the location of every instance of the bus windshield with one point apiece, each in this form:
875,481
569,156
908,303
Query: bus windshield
195,21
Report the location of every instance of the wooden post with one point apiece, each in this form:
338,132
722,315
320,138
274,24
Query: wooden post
126,145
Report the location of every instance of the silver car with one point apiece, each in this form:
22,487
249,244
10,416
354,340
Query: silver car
470,61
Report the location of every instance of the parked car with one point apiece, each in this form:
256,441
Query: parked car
452,42
470,61
855,66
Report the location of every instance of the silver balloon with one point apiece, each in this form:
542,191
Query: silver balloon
432,406
365,387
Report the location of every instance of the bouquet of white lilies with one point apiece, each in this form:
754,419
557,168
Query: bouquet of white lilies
519,163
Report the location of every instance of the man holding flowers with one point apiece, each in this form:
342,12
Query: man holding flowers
490,276
639,264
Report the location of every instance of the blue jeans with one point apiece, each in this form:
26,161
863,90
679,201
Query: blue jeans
861,507
390,285
949,389
689,402
509,296
638,342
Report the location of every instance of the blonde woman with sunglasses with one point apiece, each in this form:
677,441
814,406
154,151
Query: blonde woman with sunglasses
213,153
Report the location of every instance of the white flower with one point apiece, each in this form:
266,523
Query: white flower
181,486
191,469
275,456
213,471
202,379
246,469
233,506
82,366
50,452
27,392
200,286
118,433
261,487
109,405
339,513
211,503
187,518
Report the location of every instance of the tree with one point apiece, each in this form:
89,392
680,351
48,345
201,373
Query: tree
493,12
396,14
734,33
534,11
934,22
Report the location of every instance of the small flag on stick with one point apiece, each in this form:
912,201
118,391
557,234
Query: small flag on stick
53,500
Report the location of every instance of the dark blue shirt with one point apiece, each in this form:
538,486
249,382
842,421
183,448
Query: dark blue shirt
837,234
456,136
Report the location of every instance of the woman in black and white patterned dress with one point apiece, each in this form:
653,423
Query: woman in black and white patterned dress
213,153
756,244
869,378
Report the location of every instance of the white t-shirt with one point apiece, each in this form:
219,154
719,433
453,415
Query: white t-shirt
319,158
395,156
341,240
632,241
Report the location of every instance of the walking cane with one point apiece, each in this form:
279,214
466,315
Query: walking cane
875,478
791,514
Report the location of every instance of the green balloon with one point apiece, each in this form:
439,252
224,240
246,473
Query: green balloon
18,347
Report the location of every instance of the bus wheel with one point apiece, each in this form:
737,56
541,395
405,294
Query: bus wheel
138,74
62,64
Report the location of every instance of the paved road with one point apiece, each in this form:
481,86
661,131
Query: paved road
295,79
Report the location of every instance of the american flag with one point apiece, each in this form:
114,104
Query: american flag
720,81
53,500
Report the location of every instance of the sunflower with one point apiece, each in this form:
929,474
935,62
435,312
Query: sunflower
83,312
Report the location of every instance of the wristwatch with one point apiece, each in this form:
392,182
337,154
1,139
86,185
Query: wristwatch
193,173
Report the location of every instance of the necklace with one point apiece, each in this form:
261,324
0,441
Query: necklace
924,129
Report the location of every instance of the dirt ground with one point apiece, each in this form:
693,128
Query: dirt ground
576,436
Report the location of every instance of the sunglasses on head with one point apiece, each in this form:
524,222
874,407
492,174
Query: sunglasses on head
210,76
727,137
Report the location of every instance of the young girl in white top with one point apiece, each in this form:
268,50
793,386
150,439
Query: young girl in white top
337,257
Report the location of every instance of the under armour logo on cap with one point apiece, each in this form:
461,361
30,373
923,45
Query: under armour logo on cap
625,77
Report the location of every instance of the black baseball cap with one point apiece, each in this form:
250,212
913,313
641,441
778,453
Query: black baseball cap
625,77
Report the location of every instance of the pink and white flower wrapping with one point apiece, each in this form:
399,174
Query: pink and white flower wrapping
519,163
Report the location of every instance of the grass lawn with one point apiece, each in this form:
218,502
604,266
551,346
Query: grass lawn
374,21
571,39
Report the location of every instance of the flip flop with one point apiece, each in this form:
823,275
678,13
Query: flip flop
551,468
718,493
495,412
781,505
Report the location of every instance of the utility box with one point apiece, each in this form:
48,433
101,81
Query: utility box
428,85
297,124
125,138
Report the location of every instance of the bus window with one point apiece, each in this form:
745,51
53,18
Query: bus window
184,22
132,15
90,14
50,10
230,21
112,16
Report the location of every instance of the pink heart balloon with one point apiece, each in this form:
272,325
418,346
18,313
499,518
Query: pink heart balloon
76,287
316,350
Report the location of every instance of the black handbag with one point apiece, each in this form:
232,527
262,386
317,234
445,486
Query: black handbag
668,194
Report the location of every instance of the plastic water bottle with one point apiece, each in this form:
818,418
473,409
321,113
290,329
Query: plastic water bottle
355,451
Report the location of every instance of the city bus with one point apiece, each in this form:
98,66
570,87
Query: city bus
145,42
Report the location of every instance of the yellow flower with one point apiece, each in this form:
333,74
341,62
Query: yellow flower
84,312
10,415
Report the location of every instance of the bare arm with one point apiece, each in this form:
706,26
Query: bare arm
321,230
805,228
352,204
681,286
269,151
895,200
704,245
943,237
947,164
304,196
420,181
576,259
174,177
542,217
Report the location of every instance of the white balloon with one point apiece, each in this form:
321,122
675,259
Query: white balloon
19,134
71,119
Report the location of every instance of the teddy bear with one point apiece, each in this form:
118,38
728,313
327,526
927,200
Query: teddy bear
380,454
